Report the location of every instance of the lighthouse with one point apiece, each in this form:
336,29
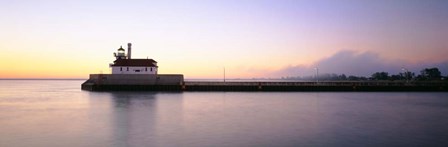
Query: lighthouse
120,54
132,74
124,64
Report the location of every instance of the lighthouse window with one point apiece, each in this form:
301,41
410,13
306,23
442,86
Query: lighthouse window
150,68
146,68
127,68
121,68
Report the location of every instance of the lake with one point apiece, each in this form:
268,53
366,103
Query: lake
43,113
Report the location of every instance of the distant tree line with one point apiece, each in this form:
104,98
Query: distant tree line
432,74
427,74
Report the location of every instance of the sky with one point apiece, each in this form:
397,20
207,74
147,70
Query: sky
199,38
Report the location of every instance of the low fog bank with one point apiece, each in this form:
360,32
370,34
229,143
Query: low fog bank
358,64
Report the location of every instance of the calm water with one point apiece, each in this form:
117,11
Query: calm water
43,113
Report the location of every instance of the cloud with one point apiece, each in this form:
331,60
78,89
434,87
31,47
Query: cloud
357,63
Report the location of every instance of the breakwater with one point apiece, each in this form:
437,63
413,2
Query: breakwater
273,86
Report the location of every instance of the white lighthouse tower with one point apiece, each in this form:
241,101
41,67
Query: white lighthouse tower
120,54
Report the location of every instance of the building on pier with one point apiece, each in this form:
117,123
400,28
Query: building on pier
124,64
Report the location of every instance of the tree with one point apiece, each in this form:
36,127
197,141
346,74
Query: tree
396,77
380,76
407,75
342,77
353,78
430,74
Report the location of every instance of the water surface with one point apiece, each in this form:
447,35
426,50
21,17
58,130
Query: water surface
44,113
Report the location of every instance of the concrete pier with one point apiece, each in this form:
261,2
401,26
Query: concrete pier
144,82
315,86
177,85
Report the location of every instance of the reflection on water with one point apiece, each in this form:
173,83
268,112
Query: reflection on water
57,113
129,111
139,118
